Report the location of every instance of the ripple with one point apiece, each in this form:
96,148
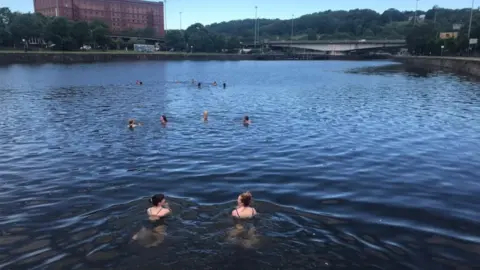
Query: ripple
349,170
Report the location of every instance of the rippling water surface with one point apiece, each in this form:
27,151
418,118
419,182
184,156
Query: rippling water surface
349,170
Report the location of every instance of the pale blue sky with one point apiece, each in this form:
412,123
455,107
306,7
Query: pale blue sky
210,11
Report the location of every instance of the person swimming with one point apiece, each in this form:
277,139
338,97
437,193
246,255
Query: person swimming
244,209
133,124
205,116
214,83
159,210
199,85
163,120
139,82
160,207
224,85
246,120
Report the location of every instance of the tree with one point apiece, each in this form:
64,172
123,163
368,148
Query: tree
81,33
25,26
6,16
312,35
422,38
233,43
175,39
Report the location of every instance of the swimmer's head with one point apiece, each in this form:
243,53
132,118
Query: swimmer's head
205,115
246,118
157,200
131,122
164,118
245,199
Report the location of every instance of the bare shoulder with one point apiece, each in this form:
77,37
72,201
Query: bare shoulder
234,212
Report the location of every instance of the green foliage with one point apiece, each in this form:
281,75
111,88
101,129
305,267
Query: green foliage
311,34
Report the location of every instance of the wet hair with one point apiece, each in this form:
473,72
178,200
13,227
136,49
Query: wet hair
156,199
246,118
164,118
131,122
246,198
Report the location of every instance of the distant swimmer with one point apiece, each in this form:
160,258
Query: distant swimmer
139,82
199,85
246,120
214,83
163,120
133,124
224,85
205,116
244,209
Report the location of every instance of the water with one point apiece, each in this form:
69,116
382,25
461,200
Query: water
363,169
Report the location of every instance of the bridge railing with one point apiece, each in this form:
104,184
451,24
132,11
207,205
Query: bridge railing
386,41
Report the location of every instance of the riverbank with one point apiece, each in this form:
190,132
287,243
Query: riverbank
17,57
467,65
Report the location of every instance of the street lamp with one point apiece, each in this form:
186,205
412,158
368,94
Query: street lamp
416,9
165,15
435,8
470,24
291,35
255,29
180,20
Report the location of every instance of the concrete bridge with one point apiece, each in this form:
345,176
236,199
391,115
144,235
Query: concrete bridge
335,45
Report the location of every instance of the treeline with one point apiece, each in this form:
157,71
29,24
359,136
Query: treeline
197,38
422,37
353,24
59,33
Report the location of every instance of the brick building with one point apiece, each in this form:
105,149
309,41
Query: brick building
118,14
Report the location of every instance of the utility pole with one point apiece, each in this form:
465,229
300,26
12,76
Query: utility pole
255,29
180,20
291,36
165,15
470,25
416,9
435,14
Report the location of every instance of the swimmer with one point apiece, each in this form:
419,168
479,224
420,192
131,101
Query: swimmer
224,85
199,85
133,124
243,209
163,120
246,120
160,207
205,116
214,83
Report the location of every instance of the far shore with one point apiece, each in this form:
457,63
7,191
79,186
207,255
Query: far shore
71,57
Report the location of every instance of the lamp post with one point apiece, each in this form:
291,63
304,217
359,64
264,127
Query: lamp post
255,29
470,25
180,20
291,35
416,9
165,15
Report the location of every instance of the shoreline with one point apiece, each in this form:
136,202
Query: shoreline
59,57
465,65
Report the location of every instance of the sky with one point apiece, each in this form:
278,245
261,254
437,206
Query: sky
211,11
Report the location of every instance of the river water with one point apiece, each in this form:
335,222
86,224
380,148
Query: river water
351,166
